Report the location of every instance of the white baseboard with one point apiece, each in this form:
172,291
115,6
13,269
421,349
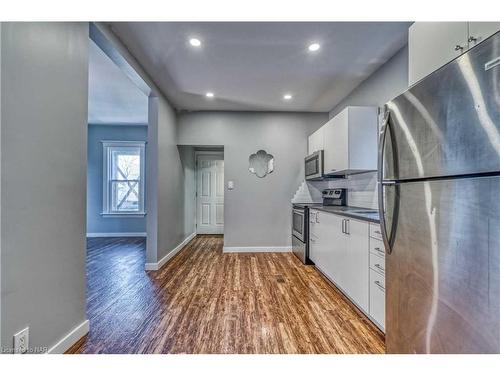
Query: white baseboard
70,339
259,249
128,234
156,266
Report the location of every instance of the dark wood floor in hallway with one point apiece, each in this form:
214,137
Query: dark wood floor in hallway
205,301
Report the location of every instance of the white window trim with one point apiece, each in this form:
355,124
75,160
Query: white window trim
106,204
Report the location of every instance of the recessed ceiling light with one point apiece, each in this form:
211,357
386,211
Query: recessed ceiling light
209,94
287,96
195,42
314,47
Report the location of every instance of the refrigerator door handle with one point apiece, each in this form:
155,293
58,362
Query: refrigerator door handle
381,183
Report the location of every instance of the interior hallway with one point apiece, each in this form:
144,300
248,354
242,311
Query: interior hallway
205,301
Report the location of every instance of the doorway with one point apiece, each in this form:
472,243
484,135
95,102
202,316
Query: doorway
209,192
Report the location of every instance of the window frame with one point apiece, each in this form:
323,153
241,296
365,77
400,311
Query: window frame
107,203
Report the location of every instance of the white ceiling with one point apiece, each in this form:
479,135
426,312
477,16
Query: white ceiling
249,66
113,98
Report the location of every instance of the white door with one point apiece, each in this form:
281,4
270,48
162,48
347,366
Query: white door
210,194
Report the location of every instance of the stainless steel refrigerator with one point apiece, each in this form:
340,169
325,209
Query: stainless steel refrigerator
439,200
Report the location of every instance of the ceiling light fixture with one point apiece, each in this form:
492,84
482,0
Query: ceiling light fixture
195,42
314,47
209,94
287,96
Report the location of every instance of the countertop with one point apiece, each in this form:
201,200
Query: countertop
359,213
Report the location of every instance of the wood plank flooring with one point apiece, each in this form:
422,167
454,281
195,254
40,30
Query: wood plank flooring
205,301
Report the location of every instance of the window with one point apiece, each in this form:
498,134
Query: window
123,178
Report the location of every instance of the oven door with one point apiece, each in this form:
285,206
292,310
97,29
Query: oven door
299,223
314,166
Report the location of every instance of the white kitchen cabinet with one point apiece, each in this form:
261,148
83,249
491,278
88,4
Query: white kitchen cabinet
332,247
432,45
355,263
350,141
376,231
377,298
315,141
343,250
313,237
341,253
480,31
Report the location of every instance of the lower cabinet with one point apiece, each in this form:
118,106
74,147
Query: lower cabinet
344,251
377,277
342,255
377,298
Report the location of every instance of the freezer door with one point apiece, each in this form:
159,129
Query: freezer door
449,124
443,274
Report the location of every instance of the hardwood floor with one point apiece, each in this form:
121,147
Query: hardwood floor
205,301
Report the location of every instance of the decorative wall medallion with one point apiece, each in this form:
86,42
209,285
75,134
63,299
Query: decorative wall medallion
261,163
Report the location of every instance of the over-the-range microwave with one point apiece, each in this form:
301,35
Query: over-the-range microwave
314,166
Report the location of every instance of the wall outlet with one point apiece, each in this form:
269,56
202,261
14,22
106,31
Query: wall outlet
22,341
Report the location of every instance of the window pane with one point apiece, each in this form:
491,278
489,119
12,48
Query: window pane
125,195
126,164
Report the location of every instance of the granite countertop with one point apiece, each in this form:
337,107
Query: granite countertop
366,214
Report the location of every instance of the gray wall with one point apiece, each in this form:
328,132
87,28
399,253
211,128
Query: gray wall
189,172
386,83
44,69
164,174
257,212
96,223
165,218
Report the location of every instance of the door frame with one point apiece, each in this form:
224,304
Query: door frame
198,153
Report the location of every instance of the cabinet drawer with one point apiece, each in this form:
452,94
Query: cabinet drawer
377,263
377,247
377,298
375,231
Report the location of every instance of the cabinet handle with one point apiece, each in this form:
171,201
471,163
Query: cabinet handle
472,39
377,231
317,217
379,267
343,222
346,226
379,284
458,47
378,249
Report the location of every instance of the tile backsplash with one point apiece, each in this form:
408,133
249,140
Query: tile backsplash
361,189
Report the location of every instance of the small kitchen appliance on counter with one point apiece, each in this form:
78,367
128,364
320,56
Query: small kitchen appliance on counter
334,197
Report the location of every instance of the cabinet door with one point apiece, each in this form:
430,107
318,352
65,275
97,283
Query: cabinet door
356,263
334,248
313,248
336,156
315,141
432,45
479,31
313,236
377,298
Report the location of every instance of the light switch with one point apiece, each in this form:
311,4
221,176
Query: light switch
230,185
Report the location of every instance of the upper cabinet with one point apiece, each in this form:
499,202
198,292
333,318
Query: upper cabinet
479,31
350,141
434,44
315,141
